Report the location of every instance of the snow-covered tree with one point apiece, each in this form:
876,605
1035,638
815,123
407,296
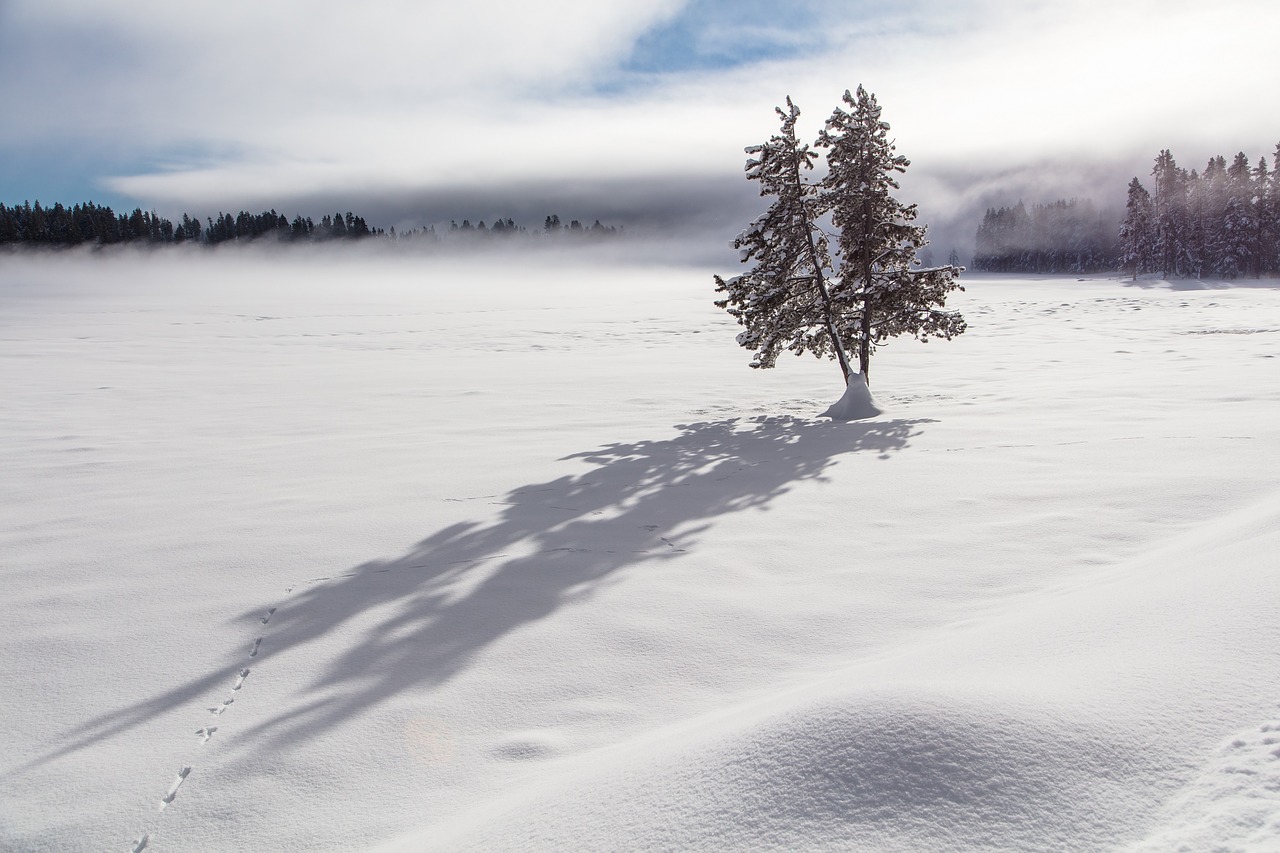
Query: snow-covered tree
1271,223
1169,204
882,291
1237,229
1262,216
784,302
799,297
1137,237
1269,215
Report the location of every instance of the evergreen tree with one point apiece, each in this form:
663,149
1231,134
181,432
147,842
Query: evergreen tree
784,302
1274,206
796,297
882,292
1168,203
1207,200
1271,218
1238,230
984,242
1137,243
1262,214
1017,240
1201,225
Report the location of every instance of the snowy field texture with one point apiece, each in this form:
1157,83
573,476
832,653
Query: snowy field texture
342,553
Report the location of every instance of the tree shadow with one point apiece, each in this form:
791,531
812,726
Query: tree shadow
424,616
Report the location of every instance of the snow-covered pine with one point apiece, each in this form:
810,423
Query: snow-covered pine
1137,231
880,291
1238,244
1200,223
783,302
1208,201
1271,219
1262,214
1174,250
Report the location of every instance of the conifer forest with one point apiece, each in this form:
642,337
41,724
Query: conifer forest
1222,222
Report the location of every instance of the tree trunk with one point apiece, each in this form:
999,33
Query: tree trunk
836,343
864,345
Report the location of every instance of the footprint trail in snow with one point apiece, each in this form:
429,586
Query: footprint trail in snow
205,733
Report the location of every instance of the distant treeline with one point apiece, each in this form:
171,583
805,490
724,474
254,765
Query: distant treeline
1067,236
508,228
1223,222
94,224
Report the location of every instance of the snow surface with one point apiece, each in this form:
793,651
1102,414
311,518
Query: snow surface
343,553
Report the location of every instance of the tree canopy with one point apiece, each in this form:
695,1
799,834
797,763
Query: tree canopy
804,296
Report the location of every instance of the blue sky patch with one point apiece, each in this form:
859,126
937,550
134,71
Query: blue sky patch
721,34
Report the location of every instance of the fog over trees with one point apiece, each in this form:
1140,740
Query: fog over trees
1219,222
1064,236
1222,222
88,223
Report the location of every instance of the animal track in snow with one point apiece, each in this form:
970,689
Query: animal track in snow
173,789
1224,805
205,733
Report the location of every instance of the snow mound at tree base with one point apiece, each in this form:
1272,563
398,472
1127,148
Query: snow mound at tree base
856,404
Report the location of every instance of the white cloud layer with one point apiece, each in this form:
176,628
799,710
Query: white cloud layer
243,102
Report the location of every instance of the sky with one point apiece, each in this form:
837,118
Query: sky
635,113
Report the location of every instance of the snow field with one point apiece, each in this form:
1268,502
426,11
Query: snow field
550,567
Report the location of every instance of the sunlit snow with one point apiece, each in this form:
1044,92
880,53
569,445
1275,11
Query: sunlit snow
343,552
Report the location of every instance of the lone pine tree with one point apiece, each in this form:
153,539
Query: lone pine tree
802,296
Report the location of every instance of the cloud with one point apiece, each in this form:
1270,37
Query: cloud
241,104
718,34
227,70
